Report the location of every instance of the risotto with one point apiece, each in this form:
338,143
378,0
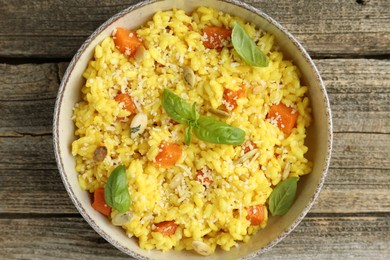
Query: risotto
146,147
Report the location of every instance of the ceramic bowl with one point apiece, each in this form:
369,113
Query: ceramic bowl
319,135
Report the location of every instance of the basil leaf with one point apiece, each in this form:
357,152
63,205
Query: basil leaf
188,135
212,130
247,48
195,114
116,191
176,107
282,197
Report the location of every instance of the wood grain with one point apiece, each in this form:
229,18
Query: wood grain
350,151
58,28
337,237
72,238
27,97
354,190
343,76
359,103
40,191
29,81
351,43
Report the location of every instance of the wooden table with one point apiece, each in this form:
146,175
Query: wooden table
350,43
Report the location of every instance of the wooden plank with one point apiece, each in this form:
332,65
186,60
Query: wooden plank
358,90
326,28
337,237
350,150
334,28
27,97
53,238
34,191
35,116
344,76
20,117
359,93
42,192
72,238
34,184
359,150
354,190
29,82
361,112
27,152
51,28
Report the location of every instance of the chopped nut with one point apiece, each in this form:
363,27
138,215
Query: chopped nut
257,90
138,125
121,219
137,155
219,112
140,54
189,76
176,180
247,156
286,171
249,146
201,248
100,153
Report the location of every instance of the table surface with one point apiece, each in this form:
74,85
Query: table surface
350,44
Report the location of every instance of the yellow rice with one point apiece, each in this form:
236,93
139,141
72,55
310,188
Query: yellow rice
215,215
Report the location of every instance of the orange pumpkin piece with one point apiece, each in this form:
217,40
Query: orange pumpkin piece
286,117
256,214
230,97
99,203
167,228
127,101
126,41
168,155
215,37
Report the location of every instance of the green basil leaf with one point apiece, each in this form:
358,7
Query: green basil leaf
176,107
195,114
116,191
282,197
247,48
188,135
212,130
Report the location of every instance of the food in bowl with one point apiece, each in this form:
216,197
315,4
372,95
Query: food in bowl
191,130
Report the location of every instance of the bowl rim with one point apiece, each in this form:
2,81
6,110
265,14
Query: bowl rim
115,17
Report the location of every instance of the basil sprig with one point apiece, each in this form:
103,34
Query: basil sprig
116,193
206,128
247,48
282,197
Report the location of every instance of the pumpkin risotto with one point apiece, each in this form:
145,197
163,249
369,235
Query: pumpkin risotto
151,130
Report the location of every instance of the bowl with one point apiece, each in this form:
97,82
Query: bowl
319,134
